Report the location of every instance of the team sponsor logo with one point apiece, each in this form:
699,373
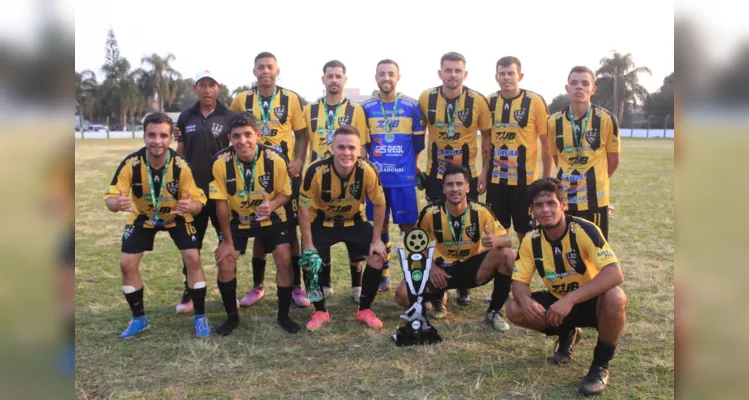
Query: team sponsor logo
495,174
551,276
601,254
449,153
279,112
557,251
505,153
390,150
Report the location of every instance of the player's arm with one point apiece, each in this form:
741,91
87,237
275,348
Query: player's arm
237,105
306,199
613,145
193,198
377,196
117,197
218,193
551,144
521,278
486,158
540,124
299,126
360,122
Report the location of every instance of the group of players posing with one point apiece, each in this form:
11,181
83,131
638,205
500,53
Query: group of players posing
249,160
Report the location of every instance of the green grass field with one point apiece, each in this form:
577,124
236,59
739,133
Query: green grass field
346,359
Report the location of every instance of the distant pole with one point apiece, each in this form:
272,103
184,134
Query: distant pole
107,127
647,134
616,92
665,125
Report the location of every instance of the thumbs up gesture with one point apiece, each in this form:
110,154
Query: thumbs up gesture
487,240
184,206
264,209
124,203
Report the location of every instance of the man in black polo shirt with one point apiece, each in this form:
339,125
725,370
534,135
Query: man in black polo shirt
199,131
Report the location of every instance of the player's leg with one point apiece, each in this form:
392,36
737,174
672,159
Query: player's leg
404,206
322,239
184,236
355,268
520,207
292,220
257,291
515,312
463,297
360,238
277,244
611,317
135,241
227,281
497,266
200,222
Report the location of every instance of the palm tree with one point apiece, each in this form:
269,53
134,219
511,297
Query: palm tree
85,90
162,72
620,72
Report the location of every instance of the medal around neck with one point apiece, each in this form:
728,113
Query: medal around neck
416,266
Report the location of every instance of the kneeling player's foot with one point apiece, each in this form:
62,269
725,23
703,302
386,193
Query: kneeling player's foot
327,291
356,294
202,326
319,318
595,382
384,284
288,324
439,310
368,317
494,319
566,346
137,325
252,297
185,303
228,327
300,299
464,297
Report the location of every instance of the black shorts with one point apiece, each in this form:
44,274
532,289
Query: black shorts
269,237
598,216
137,239
66,249
462,274
510,203
292,217
581,315
433,189
357,238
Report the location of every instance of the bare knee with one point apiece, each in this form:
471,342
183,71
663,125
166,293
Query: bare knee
401,295
192,259
128,266
375,261
512,312
226,269
614,300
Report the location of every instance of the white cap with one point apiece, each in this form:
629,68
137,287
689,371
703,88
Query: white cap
204,74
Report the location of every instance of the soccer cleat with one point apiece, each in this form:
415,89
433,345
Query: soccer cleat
136,325
496,321
368,317
327,290
300,299
185,303
566,346
356,294
319,318
202,325
595,382
384,284
463,297
439,309
253,296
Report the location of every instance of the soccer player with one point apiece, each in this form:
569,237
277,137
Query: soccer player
200,134
582,276
155,186
251,186
472,247
332,211
454,113
323,117
396,134
510,155
282,127
586,148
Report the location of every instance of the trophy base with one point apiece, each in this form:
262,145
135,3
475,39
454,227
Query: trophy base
407,336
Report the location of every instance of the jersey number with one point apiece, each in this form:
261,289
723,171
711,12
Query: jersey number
562,288
190,228
294,205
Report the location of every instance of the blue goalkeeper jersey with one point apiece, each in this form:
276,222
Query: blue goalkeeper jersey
393,150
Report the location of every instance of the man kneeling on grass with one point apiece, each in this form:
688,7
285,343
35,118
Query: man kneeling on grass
582,275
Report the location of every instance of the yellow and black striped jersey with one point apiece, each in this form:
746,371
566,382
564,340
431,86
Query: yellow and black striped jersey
285,112
583,166
471,114
567,263
467,229
516,126
336,201
270,176
320,134
131,179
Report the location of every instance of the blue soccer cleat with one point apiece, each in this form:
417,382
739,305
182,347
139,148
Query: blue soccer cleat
137,324
202,326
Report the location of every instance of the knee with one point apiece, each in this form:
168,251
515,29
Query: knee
512,312
502,260
401,295
192,259
226,268
375,262
615,300
128,266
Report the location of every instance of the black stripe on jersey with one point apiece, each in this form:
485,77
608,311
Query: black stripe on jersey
422,214
522,173
433,170
595,127
231,177
176,170
359,178
137,180
491,163
590,178
309,176
506,110
525,105
474,214
572,187
466,150
503,167
579,266
493,106
558,255
432,105
468,108
284,101
591,230
314,113
269,170
349,113
326,185
248,101
538,255
559,134
439,232
119,169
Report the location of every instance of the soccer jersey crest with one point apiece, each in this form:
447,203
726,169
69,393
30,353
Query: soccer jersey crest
172,188
521,115
280,112
344,120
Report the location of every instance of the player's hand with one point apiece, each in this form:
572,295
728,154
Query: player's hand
558,311
184,206
176,132
377,247
482,184
223,251
124,203
533,311
438,277
264,209
295,168
488,240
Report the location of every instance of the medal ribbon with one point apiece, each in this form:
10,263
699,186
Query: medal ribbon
156,198
240,168
389,122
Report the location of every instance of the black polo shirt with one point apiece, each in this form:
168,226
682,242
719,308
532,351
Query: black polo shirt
203,137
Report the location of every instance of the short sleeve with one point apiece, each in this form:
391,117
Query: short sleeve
425,222
360,122
551,127
485,116
524,265
541,113
596,248
417,121
611,132
237,105
374,186
282,184
217,187
187,183
297,115
121,182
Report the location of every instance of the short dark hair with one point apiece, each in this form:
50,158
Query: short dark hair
265,54
239,120
158,118
453,169
452,56
388,61
346,130
334,64
507,61
547,184
582,69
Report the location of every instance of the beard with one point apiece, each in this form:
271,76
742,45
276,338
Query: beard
382,90
333,90
553,225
